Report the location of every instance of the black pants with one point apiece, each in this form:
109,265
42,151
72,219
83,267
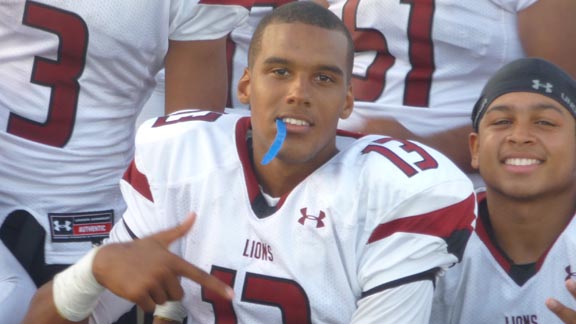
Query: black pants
24,237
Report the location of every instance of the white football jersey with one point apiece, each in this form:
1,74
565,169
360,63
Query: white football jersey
75,75
487,288
380,214
422,63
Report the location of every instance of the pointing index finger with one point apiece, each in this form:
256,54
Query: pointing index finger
204,279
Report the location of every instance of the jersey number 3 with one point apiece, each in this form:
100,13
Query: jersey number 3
60,75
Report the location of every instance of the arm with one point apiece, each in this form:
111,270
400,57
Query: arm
196,75
424,233
43,310
548,29
566,314
453,143
143,271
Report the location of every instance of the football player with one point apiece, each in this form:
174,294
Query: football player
523,249
75,75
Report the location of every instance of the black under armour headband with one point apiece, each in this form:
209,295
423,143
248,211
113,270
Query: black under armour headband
527,75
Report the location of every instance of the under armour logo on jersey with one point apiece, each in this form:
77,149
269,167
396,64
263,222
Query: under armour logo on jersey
536,84
62,226
569,272
318,219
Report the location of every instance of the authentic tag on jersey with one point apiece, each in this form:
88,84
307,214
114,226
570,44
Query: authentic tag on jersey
81,227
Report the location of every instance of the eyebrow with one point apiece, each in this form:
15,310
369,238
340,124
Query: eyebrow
323,67
537,106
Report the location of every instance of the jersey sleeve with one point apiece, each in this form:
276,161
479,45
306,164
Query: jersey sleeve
409,304
140,190
204,20
421,213
161,144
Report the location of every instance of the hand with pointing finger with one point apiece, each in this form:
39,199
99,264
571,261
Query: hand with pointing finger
145,272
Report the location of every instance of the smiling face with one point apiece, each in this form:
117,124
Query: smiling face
300,76
526,146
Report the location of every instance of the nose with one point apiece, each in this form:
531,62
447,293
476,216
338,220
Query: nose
520,134
299,91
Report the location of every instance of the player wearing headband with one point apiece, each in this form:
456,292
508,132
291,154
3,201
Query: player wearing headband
321,234
523,251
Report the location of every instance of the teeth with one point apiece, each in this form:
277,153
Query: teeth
294,121
521,162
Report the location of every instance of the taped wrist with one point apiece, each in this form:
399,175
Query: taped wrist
171,310
76,291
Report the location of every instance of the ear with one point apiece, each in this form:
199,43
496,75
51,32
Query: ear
473,143
348,104
243,91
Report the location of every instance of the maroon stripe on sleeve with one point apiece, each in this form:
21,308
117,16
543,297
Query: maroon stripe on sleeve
442,222
138,181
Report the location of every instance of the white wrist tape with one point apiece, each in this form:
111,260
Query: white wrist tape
172,310
76,291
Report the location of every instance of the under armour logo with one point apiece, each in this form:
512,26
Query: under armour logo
317,219
536,84
569,272
66,226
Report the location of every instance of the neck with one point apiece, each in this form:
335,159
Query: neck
277,181
279,177
526,229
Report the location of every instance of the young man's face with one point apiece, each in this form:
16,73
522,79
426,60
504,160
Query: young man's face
300,76
526,146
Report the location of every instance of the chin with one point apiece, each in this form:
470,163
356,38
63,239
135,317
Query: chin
527,192
518,191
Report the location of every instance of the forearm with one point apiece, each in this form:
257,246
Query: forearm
453,143
43,310
70,297
196,75
555,42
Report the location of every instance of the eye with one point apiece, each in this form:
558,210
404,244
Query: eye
501,121
324,78
545,122
282,72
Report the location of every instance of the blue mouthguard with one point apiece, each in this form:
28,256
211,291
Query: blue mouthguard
277,144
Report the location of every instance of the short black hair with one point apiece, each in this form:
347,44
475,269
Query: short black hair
306,12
